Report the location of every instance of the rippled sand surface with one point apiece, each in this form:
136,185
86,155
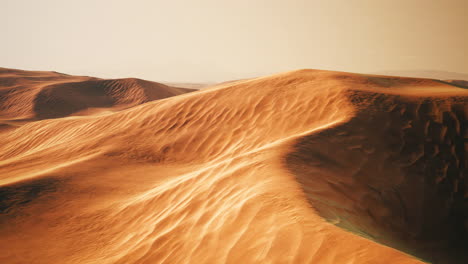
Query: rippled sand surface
302,167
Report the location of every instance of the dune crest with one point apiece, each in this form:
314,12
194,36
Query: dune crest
255,171
29,95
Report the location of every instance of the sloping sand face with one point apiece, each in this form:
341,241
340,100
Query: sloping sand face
395,172
236,173
29,95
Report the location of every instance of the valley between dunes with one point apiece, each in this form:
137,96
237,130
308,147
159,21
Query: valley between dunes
306,166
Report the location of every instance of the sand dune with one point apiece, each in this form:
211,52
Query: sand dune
301,167
28,95
458,83
186,85
439,75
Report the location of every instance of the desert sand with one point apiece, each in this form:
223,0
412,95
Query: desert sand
29,95
306,166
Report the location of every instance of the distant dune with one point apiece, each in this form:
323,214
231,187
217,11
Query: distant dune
189,85
439,75
40,95
306,166
459,83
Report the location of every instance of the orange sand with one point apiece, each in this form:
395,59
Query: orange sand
228,174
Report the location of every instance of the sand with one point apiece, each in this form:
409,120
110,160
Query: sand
306,166
30,95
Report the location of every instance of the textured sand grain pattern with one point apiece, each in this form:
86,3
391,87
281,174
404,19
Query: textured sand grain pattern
301,167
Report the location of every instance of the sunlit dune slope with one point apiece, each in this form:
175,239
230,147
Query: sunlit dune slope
32,95
302,167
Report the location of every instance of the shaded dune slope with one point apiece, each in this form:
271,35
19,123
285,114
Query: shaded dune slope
270,170
29,95
458,83
396,173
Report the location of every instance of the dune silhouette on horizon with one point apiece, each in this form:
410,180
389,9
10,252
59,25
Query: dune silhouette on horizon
32,95
307,166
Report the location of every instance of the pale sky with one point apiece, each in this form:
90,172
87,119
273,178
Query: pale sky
220,40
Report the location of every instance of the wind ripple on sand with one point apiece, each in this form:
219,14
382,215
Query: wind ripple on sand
197,178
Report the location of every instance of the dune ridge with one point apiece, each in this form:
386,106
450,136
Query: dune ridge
267,170
29,95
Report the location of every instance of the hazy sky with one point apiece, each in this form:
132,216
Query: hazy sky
218,40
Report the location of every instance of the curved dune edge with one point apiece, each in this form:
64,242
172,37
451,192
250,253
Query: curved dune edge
198,178
30,95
